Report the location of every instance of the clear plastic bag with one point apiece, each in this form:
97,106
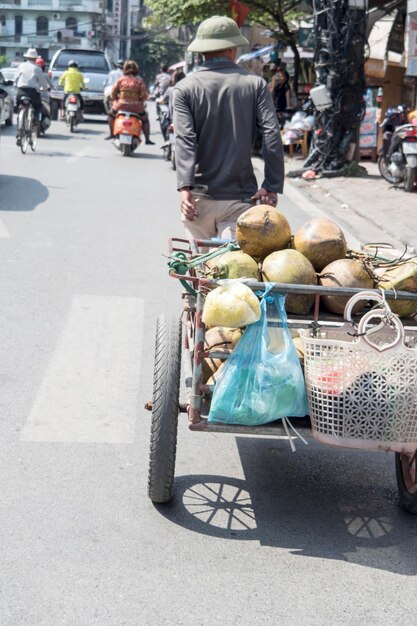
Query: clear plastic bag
262,380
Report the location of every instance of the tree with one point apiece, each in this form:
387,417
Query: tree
274,15
3,60
150,49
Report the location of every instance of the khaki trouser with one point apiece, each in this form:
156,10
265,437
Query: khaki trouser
216,218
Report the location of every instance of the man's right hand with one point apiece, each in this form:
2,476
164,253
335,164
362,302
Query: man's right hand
188,204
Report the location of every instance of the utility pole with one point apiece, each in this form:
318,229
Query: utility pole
338,97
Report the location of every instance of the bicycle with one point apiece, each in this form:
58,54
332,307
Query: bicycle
27,125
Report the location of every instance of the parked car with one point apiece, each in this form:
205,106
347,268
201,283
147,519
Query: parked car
94,65
7,100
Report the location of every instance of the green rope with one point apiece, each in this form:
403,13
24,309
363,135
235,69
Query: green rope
181,264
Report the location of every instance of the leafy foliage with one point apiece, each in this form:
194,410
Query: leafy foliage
150,49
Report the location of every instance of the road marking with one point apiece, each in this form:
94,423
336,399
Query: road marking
90,390
4,233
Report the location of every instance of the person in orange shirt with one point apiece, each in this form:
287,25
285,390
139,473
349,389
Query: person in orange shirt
129,94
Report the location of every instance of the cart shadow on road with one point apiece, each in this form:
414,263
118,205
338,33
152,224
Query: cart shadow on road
319,502
18,193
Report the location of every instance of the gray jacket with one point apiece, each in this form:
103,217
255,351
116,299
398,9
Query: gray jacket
217,111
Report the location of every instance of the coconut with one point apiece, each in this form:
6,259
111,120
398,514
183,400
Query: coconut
291,267
261,230
218,338
233,305
401,278
321,241
236,264
210,367
344,273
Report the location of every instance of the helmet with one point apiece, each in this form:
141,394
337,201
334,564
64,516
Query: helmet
120,63
217,33
39,61
72,63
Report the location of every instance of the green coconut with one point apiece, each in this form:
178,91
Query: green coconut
344,273
261,230
236,264
401,278
321,241
291,267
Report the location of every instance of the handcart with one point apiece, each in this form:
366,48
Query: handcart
180,343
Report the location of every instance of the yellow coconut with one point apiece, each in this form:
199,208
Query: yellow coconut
232,305
291,267
236,264
344,273
261,230
321,241
401,278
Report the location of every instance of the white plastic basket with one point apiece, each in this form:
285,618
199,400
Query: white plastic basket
362,394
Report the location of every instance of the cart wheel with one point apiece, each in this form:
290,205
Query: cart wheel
166,389
406,471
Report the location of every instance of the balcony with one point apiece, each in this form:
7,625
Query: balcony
42,4
40,41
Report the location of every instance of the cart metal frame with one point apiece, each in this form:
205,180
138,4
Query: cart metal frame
161,479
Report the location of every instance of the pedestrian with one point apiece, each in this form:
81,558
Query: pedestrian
129,94
217,111
281,91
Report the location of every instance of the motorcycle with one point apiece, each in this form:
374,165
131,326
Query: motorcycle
127,131
46,114
398,161
73,115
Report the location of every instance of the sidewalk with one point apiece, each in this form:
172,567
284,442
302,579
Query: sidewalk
368,203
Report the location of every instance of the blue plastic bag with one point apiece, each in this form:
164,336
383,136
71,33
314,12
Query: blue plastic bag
262,380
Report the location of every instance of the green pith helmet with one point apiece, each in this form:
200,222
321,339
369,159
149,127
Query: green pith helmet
217,33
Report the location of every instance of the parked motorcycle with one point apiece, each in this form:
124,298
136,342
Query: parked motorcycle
127,131
398,161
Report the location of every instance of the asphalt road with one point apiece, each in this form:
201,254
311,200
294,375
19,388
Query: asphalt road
256,534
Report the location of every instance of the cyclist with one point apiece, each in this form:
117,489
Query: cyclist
29,82
72,81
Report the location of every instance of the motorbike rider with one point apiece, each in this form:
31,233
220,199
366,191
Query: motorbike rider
162,82
47,83
28,81
72,81
115,74
129,94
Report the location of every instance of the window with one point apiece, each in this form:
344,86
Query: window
42,26
18,25
71,23
2,20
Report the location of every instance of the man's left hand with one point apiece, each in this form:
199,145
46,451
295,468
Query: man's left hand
266,197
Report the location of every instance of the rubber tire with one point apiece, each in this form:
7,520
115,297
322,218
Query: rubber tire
54,110
24,142
384,171
173,161
410,178
33,139
126,149
72,124
166,389
408,500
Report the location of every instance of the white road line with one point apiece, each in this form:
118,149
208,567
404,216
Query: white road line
4,233
90,391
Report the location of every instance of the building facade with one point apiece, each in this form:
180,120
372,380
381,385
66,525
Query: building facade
48,25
